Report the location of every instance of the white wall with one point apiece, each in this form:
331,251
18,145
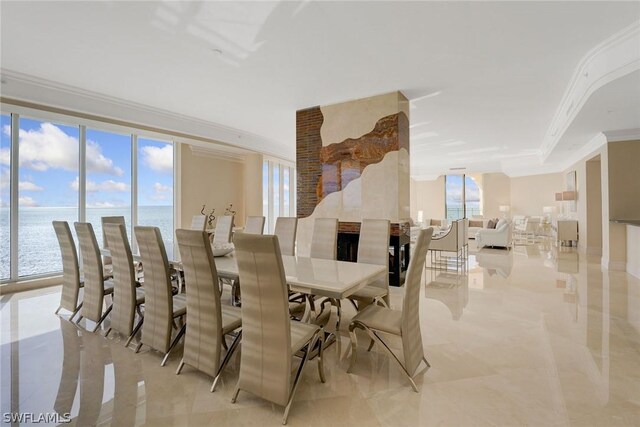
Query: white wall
427,196
529,194
496,191
253,185
212,181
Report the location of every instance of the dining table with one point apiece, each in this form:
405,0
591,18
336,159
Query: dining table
312,277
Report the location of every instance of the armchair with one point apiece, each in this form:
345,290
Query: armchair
500,236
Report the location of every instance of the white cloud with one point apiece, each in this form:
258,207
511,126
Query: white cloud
27,201
158,159
109,185
5,157
161,192
5,178
6,129
29,186
50,148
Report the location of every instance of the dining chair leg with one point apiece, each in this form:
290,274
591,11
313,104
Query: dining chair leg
354,346
225,361
375,336
173,344
59,308
107,333
381,302
295,384
104,316
320,340
180,366
75,312
425,361
371,343
235,395
135,331
138,347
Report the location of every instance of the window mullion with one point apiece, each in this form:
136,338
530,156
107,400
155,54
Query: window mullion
134,190
82,175
14,197
271,212
281,192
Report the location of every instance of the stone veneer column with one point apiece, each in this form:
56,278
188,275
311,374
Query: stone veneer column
353,162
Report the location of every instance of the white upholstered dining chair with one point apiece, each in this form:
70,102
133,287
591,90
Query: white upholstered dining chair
199,222
71,282
96,288
270,338
373,248
106,260
209,321
254,225
375,319
161,306
127,296
324,241
286,229
224,227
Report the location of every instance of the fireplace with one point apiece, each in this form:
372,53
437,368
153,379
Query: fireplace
349,236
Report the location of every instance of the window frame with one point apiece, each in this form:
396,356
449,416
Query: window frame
16,111
271,190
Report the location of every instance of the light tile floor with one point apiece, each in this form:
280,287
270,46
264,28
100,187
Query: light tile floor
534,336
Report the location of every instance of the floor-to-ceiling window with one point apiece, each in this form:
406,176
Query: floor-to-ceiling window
5,192
278,193
454,196
69,169
472,202
48,156
462,197
108,184
155,187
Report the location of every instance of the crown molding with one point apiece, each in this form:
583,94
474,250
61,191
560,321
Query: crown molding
32,89
219,152
623,135
615,57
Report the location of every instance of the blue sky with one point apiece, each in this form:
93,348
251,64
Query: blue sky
454,190
49,167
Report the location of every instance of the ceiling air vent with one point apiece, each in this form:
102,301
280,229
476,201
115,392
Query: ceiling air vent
457,169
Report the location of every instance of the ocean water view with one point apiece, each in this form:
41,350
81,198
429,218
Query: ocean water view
38,249
457,211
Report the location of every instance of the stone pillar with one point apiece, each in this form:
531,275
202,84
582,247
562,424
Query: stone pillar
352,162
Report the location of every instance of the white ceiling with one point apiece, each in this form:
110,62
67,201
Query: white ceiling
615,106
485,78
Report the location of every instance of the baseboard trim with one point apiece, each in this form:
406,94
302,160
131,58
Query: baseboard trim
29,285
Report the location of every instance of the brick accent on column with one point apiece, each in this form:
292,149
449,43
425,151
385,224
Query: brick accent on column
308,166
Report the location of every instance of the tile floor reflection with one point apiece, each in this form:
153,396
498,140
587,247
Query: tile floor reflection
532,336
